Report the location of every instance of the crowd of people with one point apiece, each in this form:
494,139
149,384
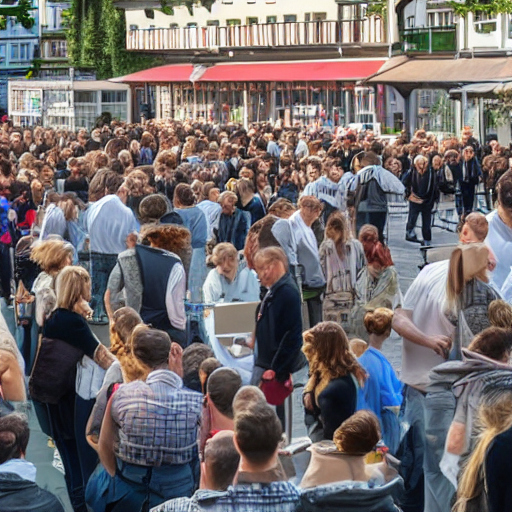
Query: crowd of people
145,228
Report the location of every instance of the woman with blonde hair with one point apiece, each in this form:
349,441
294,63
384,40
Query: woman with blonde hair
60,383
342,258
227,282
382,392
51,256
485,482
330,395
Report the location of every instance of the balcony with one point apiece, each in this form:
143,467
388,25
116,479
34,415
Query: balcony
265,35
429,39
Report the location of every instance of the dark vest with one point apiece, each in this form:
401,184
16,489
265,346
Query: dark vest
155,268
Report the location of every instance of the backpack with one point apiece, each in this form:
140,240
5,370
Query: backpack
445,181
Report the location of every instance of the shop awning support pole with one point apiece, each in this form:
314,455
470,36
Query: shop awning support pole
246,110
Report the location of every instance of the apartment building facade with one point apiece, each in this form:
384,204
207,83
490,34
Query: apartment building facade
253,60
447,66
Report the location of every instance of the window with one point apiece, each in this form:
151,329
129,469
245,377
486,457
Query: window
113,96
115,103
440,19
446,18
252,21
231,23
57,49
307,16
290,18
271,19
24,51
319,16
485,23
192,24
85,96
409,22
86,108
2,52
150,13
212,23
134,27
173,25
54,17
15,52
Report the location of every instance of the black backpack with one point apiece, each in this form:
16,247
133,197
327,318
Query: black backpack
445,185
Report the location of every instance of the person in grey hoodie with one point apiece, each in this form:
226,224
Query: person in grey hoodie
370,186
452,401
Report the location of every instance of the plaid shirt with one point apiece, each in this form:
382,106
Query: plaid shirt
157,420
273,497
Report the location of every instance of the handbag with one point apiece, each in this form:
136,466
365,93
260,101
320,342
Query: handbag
54,371
276,392
89,378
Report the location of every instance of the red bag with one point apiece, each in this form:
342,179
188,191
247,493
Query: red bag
276,392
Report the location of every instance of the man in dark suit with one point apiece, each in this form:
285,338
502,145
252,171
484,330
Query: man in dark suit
278,339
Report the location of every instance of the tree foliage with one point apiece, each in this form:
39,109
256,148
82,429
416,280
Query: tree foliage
474,6
500,110
96,35
169,5
21,11
377,8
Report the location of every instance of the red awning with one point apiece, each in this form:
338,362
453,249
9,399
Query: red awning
170,73
303,71
312,71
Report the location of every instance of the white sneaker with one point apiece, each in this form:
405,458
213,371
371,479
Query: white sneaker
57,462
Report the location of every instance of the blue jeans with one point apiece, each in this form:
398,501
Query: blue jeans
139,488
439,412
412,449
101,267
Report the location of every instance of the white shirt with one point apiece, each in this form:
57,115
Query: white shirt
175,296
212,212
54,222
244,288
426,299
108,223
499,239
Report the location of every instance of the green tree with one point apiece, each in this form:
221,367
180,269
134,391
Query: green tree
96,35
474,6
22,13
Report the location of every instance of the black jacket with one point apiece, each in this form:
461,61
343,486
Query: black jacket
20,495
279,329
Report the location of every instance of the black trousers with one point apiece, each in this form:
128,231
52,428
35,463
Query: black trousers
377,219
425,209
5,271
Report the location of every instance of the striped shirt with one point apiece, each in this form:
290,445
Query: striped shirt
157,420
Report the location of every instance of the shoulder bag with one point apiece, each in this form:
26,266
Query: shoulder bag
54,371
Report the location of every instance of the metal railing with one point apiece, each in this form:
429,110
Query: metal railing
264,35
429,39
